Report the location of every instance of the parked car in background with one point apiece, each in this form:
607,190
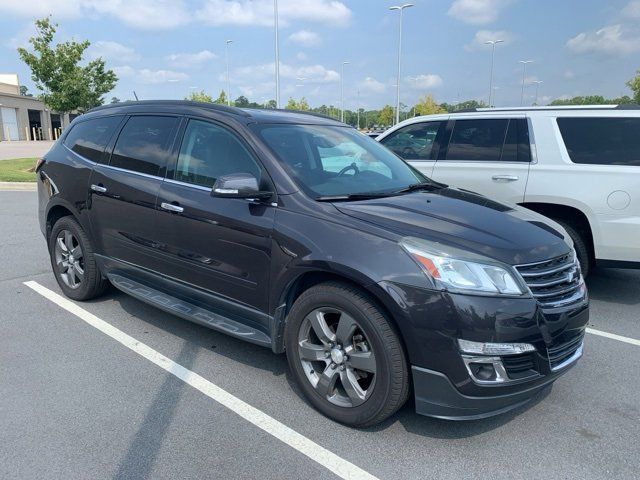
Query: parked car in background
300,234
579,166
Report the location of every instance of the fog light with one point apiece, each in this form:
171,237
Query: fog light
487,348
485,370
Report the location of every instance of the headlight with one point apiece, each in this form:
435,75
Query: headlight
455,270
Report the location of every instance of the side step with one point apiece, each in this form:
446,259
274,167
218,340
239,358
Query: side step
189,311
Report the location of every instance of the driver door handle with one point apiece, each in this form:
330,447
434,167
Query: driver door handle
99,188
504,178
170,207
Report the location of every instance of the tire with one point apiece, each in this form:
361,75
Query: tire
580,246
79,278
372,344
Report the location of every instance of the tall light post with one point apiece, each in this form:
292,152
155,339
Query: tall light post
342,91
277,48
358,108
493,44
401,9
537,82
226,54
524,76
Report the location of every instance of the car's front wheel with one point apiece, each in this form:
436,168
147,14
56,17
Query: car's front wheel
73,262
345,355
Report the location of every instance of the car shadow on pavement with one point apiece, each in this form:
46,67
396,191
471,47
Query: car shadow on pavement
197,337
615,285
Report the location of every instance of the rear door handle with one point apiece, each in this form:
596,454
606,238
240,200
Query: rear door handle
99,188
505,178
170,207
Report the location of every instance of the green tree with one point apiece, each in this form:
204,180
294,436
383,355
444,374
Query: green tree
466,105
427,106
634,85
386,116
271,104
222,98
200,96
242,102
115,100
24,91
301,104
57,72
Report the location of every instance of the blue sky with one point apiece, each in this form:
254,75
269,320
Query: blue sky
164,48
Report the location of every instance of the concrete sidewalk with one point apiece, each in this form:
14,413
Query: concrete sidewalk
18,186
10,150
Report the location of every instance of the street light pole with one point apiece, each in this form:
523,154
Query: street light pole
493,44
342,92
524,74
226,52
277,47
401,8
537,82
358,108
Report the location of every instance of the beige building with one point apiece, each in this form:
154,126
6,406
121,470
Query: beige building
26,118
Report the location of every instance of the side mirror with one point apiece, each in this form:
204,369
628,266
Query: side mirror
238,185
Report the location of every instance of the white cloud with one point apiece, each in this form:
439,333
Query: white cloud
371,85
301,56
311,73
305,38
260,12
144,14
42,8
21,39
632,9
188,60
483,36
149,77
569,74
477,12
610,40
112,51
425,82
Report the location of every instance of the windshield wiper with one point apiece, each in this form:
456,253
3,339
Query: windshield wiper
354,196
421,186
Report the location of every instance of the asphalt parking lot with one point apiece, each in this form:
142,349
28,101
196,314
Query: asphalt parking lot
77,403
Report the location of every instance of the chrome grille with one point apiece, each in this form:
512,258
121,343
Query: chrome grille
566,350
554,282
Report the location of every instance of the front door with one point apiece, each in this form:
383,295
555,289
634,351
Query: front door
222,245
488,156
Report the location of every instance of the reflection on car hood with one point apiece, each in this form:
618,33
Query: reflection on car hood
475,223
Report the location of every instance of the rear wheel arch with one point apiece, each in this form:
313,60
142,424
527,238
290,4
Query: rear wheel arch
54,214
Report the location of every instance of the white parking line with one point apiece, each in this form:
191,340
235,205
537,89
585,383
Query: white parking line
315,452
613,336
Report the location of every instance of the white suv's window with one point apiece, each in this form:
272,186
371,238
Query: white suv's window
602,141
413,142
479,140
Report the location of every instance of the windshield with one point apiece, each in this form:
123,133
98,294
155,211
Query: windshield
333,161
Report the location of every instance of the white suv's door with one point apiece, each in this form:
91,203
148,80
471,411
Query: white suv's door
490,156
417,143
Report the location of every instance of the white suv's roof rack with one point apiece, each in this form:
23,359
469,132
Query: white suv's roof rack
551,107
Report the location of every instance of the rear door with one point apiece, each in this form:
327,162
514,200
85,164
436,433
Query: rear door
490,156
124,190
417,143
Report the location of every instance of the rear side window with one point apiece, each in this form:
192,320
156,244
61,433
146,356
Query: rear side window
413,142
602,141
208,152
490,140
143,144
89,138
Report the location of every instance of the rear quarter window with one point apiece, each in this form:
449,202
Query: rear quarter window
90,137
601,140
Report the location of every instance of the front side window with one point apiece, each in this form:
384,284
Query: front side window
328,161
413,142
144,143
477,140
90,137
208,152
602,141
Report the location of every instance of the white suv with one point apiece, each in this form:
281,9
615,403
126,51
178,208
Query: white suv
579,166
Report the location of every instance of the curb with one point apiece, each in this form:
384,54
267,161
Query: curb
18,186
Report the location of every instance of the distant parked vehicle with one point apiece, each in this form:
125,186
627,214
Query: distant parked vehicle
579,166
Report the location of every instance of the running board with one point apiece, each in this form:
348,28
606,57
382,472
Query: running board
188,311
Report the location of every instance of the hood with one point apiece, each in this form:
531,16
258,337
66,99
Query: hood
472,222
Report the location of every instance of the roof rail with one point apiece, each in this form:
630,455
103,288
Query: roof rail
286,110
207,105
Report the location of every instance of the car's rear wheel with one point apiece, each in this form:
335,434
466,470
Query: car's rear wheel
580,246
73,261
345,355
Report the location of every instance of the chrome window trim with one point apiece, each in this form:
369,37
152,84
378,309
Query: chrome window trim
81,156
186,184
147,175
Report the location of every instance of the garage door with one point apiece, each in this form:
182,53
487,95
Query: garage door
9,123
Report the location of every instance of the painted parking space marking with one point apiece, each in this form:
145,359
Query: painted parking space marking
332,462
613,336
